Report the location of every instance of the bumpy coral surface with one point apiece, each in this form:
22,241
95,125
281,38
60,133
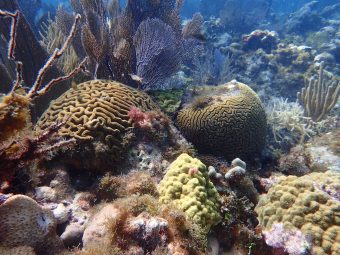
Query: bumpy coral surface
24,223
228,120
97,111
187,184
309,204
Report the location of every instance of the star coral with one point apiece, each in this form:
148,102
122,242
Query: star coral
191,192
308,204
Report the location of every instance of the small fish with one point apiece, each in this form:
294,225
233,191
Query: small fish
137,79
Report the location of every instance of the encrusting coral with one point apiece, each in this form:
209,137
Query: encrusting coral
187,185
309,204
319,96
229,120
24,222
97,112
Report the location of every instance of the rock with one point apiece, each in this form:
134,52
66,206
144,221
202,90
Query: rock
260,39
61,213
45,194
323,152
213,246
96,230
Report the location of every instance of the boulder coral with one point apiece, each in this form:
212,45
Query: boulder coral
33,227
96,114
227,120
310,204
187,185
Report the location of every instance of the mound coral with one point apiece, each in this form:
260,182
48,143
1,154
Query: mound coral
228,121
33,226
309,204
97,113
187,184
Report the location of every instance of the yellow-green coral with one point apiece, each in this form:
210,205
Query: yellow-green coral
309,203
226,120
187,184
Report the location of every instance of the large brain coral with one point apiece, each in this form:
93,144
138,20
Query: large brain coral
227,120
310,204
187,184
24,223
96,114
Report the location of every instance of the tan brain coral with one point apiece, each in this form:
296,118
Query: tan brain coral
97,112
309,203
226,120
24,223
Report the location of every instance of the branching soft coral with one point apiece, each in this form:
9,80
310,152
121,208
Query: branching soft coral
16,154
19,145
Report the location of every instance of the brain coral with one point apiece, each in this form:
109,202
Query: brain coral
187,184
310,203
97,112
227,120
25,223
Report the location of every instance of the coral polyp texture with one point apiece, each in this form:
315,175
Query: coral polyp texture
187,185
228,120
310,204
97,112
24,222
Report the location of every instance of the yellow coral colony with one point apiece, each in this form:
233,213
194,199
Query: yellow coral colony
228,120
309,203
187,184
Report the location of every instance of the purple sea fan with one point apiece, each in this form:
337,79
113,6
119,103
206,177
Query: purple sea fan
158,55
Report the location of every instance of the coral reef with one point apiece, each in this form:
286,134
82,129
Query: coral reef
34,226
228,120
309,204
187,185
96,114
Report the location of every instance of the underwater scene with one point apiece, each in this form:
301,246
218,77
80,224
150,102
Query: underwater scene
169,127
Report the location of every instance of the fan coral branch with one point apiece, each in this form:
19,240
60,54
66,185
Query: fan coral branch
19,79
80,67
34,91
319,96
15,19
